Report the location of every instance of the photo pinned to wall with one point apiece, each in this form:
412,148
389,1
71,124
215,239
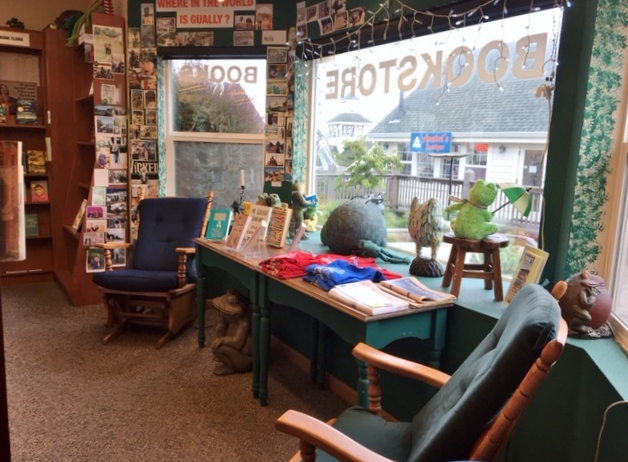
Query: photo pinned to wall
107,42
274,37
148,131
341,21
150,99
277,71
274,146
301,32
277,55
116,222
186,39
99,195
275,119
244,22
150,117
137,100
289,122
102,71
104,124
356,16
165,24
134,59
118,257
288,170
277,131
117,63
110,94
39,191
143,150
264,16
103,156
134,79
338,6
288,148
115,235
90,238
95,212
274,160
323,9
118,158
147,36
107,110
145,172
133,37
119,127
137,118
243,38
276,87
274,174
276,104
311,13
96,226
95,260
118,177
301,13
115,200
325,25
148,84
148,14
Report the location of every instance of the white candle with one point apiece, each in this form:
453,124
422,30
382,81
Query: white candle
242,178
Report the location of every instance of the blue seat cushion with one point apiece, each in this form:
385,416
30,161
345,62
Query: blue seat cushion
133,280
389,439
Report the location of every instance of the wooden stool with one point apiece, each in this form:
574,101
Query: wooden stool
490,270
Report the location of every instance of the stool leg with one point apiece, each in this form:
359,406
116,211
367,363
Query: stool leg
488,269
497,276
458,270
449,270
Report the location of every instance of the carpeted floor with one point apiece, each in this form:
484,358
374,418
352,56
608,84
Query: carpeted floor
73,399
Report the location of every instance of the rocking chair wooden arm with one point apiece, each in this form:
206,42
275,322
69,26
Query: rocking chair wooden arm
107,247
314,433
380,360
183,258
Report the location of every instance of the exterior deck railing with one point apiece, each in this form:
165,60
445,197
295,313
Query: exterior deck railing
399,190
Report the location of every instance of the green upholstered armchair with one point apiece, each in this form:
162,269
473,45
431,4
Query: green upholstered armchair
473,412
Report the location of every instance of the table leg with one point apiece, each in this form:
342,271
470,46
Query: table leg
314,351
437,337
321,347
255,338
264,342
200,300
363,386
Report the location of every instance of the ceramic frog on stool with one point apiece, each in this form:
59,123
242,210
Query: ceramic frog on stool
473,217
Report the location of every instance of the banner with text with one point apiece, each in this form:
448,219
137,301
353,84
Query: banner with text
204,13
430,142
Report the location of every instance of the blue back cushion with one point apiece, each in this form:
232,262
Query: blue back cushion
165,224
449,424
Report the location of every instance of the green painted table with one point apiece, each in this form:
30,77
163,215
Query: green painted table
350,325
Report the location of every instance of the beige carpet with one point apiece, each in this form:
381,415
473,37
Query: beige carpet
73,399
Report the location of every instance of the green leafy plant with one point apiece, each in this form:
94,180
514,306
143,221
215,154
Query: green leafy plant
365,164
14,23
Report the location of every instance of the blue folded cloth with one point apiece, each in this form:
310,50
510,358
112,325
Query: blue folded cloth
339,272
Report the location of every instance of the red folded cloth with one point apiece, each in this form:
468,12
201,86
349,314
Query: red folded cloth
292,264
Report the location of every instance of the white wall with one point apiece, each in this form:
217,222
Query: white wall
37,14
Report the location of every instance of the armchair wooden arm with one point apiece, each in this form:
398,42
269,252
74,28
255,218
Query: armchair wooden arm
107,247
313,433
183,258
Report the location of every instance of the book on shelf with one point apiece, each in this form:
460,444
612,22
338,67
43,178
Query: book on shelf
528,270
12,238
78,219
278,226
26,112
258,214
35,161
421,295
4,111
367,297
240,223
31,225
39,191
218,224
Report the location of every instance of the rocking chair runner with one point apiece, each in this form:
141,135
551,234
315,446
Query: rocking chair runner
473,413
159,286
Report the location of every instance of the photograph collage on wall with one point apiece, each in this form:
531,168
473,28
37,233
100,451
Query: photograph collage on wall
330,15
105,218
142,77
279,115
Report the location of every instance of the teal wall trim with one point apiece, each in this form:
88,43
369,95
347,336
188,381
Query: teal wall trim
161,125
605,78
299,127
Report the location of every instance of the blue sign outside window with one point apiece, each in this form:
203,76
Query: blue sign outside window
430,142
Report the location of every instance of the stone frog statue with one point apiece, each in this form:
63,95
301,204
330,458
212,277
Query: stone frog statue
232,346
473,217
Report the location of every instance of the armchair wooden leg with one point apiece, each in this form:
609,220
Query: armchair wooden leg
308,451
163,339
113,334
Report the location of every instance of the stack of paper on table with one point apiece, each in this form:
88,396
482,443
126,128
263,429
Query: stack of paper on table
368,297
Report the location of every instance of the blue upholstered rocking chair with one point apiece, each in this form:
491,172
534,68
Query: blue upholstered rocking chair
474,411
158,288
